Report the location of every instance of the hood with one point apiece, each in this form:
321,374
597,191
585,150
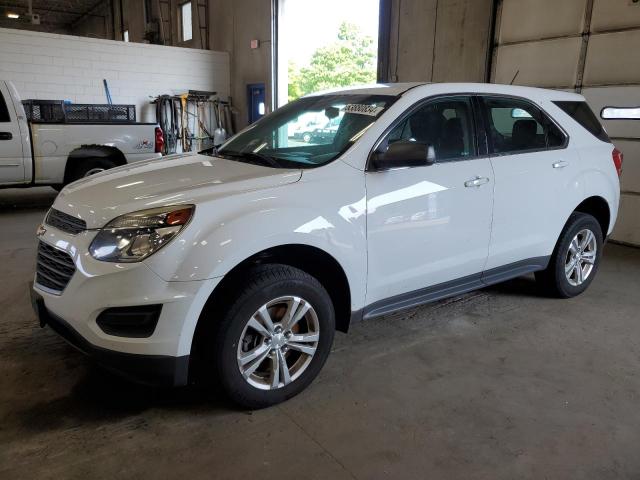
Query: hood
176,179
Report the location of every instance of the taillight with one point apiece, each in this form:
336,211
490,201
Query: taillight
159,140
617,160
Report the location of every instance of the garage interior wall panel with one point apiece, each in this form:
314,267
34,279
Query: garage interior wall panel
613,58
628,228
630,180
462,39
615,14
600,97
546,63
62,67
411,61
438,40
603,63
524,20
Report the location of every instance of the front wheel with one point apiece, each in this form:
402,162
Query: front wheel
274,338
575,259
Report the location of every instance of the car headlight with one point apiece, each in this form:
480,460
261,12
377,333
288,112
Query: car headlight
134,236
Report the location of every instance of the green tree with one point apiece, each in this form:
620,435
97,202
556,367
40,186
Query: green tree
350,60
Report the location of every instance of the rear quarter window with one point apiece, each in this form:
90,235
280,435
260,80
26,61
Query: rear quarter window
582,114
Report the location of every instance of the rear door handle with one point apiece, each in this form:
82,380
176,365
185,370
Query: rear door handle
476,182
560,164
6,136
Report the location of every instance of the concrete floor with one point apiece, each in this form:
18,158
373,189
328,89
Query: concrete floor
500,383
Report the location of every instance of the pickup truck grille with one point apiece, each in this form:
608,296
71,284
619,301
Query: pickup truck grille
54,268
65,222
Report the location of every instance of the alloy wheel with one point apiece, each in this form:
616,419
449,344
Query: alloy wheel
278,343
581,257
93,171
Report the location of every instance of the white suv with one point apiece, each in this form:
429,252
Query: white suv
237,265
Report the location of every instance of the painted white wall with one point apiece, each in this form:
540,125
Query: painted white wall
62,67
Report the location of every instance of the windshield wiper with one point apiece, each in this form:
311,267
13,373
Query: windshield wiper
252,156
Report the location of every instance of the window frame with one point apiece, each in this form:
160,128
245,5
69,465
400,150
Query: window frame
3,103
485,116
181,5
476,120
613,119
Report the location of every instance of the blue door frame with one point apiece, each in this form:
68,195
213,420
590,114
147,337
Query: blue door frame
256,103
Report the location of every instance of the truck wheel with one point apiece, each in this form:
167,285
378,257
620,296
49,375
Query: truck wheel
575,260
306,137
88,167
274,338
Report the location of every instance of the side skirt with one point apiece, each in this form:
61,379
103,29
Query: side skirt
449,289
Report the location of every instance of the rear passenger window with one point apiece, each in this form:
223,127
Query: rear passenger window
4,112
519,126
582,114
445,124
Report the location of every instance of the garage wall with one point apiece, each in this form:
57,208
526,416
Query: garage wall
590,46
50,66
435,40
234,24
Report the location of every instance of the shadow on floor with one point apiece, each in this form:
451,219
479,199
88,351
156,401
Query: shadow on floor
521,286
36,198
101,397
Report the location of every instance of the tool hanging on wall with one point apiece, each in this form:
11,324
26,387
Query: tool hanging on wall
106,91
193,120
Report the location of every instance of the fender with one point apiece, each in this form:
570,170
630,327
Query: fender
226,231
607,186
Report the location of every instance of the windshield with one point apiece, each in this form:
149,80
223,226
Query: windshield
308,132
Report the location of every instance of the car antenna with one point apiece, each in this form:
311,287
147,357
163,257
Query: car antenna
514,77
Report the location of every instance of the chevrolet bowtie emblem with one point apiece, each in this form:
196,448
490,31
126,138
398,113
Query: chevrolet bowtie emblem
40,231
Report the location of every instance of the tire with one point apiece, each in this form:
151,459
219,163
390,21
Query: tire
233,341
555,280
306,137
89,166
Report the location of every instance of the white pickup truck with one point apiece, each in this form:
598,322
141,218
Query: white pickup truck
35,154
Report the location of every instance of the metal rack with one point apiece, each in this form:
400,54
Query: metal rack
192,121
57,111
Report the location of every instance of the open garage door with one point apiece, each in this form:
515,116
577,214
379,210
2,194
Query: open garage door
584,46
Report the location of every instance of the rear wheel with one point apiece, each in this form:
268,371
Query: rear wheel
90,166
576,258
274,338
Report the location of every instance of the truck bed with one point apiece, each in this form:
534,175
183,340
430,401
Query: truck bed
54,143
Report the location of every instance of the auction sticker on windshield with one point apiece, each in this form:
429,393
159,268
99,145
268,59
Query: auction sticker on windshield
358,109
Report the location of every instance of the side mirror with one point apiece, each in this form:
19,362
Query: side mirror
405,154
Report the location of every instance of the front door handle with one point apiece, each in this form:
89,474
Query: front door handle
6,136
560,164
476,182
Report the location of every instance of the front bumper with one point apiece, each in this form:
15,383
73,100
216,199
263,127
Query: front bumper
160,358
156,370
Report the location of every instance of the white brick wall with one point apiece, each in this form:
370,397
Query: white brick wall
62,67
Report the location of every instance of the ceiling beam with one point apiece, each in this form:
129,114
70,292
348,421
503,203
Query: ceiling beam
88,13
50,10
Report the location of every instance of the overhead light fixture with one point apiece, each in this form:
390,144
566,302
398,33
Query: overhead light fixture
13,15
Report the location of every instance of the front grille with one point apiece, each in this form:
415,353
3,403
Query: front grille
65,222
54,268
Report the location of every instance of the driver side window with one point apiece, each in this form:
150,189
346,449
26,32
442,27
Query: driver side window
445,124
